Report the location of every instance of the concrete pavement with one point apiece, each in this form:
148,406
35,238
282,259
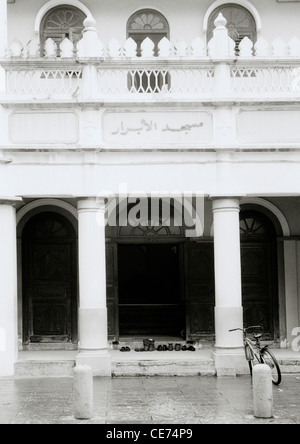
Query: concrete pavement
185,400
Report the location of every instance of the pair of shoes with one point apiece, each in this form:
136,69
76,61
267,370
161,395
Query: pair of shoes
138,350
178,347
125,349
160,348
191,348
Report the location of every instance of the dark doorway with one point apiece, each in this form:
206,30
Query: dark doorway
49,280
150,296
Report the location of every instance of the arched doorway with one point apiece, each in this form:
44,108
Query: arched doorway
49,280
62,22
149,259
259,272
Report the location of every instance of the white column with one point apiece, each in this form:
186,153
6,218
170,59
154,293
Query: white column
93,340
8,288
228,286
3,39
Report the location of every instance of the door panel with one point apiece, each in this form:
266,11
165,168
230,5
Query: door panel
112,291
49,280
200,290
257,280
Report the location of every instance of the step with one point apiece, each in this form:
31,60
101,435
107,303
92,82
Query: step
200,363
156,363
50,364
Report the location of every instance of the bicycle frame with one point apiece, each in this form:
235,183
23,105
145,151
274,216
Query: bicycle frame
255,348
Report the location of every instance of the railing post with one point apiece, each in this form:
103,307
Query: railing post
89,50
222,52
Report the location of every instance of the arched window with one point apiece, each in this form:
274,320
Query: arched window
147,23
240,23
152,24
62,22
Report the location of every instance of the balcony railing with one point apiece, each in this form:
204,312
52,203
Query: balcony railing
179,71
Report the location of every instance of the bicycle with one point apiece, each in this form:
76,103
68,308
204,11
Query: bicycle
256,354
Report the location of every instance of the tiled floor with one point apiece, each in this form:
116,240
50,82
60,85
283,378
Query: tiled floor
186,400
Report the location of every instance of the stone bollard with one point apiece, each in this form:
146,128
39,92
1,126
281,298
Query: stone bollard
263,391
84,396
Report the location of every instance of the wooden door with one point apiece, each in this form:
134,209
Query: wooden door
49,280
200,290
112,290
259,273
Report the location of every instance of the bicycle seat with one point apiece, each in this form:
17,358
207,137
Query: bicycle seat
258,336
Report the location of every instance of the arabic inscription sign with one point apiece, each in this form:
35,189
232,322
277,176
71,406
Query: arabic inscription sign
161,127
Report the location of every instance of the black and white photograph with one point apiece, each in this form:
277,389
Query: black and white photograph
149,215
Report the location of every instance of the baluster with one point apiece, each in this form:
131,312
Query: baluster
279,47
246,47
50,48
147,48
16,49
114,49
293,47
66,49
198,48
130,48
164,48
33,48
181,48
262,47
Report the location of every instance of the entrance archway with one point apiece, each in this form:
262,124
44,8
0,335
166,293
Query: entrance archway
49,280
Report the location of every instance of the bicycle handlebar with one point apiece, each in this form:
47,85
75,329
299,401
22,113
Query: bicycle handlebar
245,330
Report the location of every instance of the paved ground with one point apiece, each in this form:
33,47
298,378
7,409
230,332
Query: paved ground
186,400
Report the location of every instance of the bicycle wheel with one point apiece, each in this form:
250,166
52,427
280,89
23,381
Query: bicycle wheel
269,359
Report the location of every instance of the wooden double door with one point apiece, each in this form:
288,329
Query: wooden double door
49,280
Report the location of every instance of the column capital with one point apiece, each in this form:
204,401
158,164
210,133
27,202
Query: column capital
91,204
225,203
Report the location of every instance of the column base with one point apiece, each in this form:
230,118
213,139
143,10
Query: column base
230,362
100,362
7,366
